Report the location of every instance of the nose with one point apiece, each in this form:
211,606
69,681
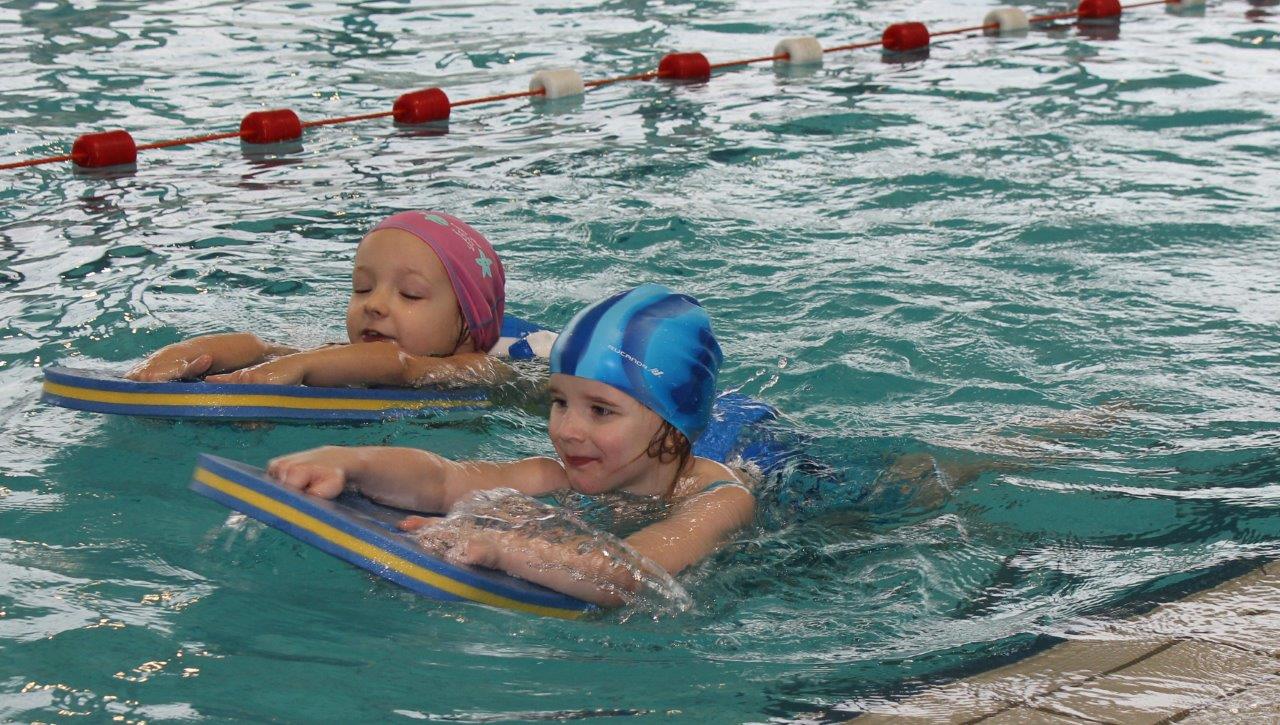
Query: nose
375,303
566,425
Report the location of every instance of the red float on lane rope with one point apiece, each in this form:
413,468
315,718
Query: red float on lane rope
429,104
1098,9
107,148
280,124
684,67
906,36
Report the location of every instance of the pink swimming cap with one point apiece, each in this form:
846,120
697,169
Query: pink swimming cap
474,268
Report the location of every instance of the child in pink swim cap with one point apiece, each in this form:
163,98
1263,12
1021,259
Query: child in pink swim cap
427,299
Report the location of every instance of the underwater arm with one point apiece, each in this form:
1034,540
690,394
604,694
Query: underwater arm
205,354
501,529
601,576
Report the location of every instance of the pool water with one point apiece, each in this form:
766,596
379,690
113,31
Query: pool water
1051,260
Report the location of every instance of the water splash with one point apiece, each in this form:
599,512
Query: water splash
649,587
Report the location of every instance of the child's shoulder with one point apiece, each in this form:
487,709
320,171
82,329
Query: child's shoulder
717,497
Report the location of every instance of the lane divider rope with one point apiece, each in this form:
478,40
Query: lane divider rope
117,147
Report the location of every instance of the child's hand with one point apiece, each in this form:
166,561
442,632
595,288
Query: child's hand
179,361
287,370
319,472
460,543
482,548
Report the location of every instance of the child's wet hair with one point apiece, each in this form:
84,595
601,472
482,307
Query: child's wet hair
669,444
464,332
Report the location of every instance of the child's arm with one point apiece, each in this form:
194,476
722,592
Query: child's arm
696,528
207,353
370,363
409,478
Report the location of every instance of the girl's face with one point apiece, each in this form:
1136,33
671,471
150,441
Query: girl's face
400,292
601,435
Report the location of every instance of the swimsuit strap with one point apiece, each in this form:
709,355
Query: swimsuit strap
722,484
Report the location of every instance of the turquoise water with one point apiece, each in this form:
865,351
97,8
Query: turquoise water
1055,253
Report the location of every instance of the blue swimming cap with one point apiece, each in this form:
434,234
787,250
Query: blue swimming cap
652,344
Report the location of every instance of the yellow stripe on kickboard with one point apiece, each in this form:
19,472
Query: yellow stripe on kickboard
226,400
371,552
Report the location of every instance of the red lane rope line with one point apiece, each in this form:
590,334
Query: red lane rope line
499,97
341,119
1053,16
188,140
970,29
35,162
645,76
852,46
748,61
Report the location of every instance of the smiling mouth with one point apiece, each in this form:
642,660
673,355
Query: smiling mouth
577,461
372,336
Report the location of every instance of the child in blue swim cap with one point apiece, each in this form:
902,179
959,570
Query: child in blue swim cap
633,380
652,346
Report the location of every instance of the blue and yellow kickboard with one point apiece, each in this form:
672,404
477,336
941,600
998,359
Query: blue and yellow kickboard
361,532
104,392
101,392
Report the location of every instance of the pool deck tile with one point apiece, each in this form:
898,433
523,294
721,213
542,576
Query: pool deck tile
1256,705
1170,683
1243,612
997,690
1029,716
1211,657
